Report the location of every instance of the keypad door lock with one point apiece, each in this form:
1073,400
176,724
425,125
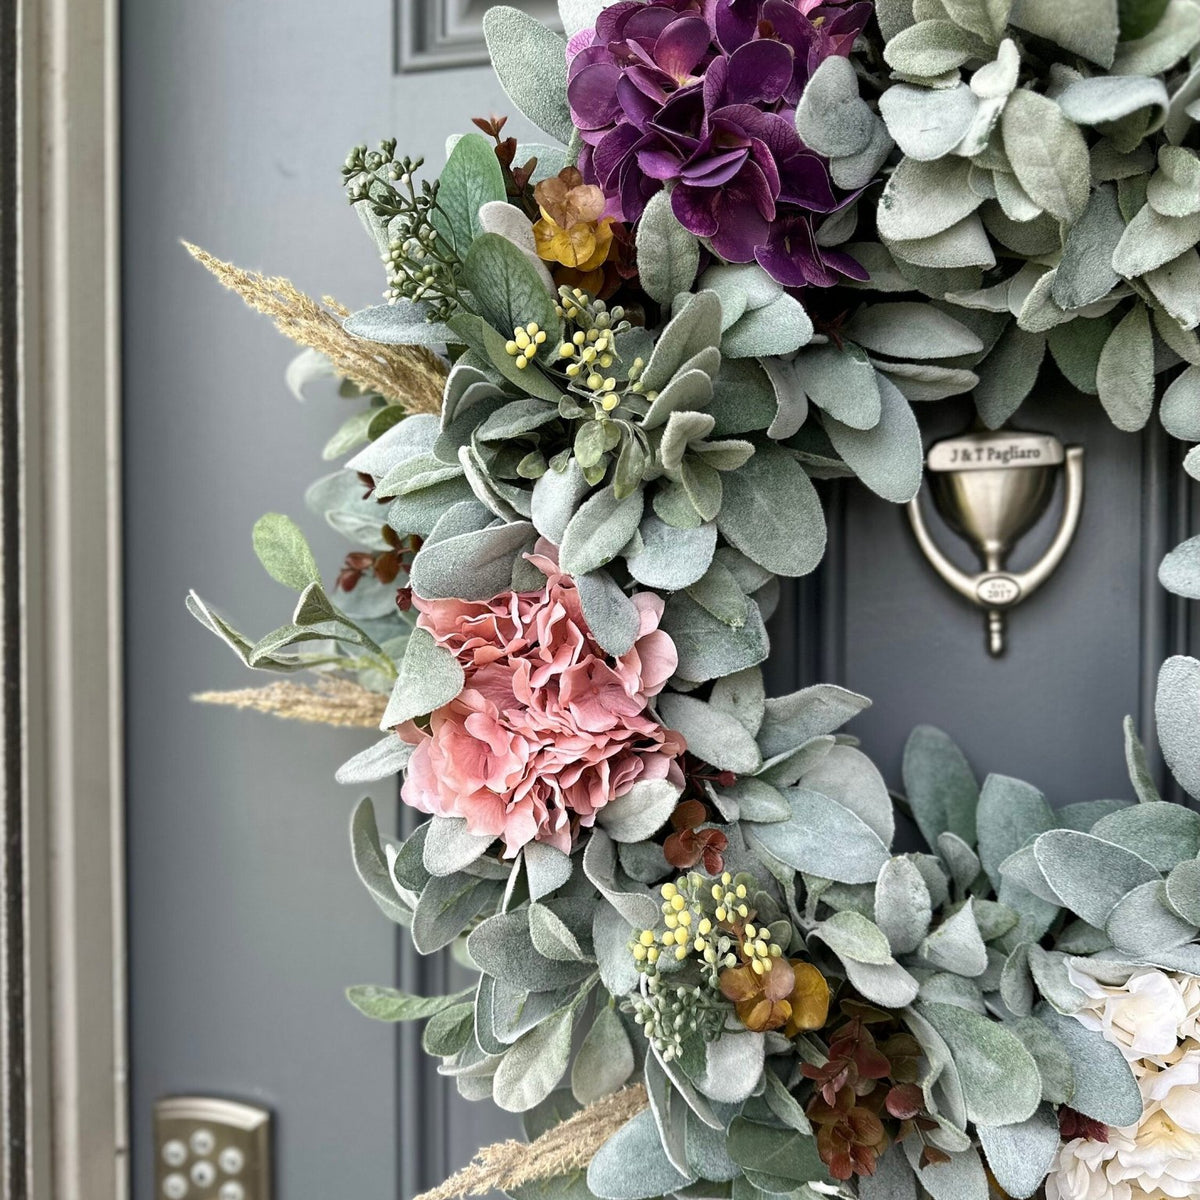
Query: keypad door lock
211,1149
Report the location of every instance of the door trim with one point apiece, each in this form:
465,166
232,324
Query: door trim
63,898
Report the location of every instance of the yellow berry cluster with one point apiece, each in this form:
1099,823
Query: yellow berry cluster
596,351
524,343
713,921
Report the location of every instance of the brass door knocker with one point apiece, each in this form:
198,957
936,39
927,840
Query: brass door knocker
991,488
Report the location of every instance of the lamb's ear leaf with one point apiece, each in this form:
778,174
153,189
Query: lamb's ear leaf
1176,706
893,1178
532,1067
889,457
940,785
903,909
832,118
600,528
1081,26
770,511
471,566
1021,1155
962,1178
370,862
1090,875
531,64
388,1004
605,1060
712,735
668,256
430,676
1135,763
1048,153
387,757
632,1164
611,616
1105,1087
1010,814
1000,1079
639,813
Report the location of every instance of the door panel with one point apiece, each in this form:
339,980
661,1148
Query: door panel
1082,652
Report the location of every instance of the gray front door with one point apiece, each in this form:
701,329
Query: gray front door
246,921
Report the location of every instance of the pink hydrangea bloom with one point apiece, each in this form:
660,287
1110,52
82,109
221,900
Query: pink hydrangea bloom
549,728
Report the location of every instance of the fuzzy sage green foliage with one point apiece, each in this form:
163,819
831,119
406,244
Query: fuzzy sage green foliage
1049,184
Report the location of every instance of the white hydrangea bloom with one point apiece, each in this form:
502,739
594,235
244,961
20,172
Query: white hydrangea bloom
1142,1017
1162,1158
1081,1173
1159,1157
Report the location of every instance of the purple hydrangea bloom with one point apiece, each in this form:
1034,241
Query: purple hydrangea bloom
701,95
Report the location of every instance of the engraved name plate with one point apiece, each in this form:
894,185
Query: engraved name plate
995,451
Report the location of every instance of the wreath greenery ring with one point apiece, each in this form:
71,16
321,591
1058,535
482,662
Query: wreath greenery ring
586,427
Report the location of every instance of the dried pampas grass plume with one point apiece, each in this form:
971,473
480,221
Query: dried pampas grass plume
566,1148
330,702
412,376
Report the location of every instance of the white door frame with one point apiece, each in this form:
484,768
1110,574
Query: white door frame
63,972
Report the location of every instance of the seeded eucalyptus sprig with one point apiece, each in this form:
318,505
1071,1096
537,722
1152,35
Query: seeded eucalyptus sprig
422,265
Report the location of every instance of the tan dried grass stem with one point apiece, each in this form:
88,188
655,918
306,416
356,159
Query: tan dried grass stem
331,702
566,1148
412,376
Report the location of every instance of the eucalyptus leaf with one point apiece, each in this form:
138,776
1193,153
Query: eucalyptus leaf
470,179
507,287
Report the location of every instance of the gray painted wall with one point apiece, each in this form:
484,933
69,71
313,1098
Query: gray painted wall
246,920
